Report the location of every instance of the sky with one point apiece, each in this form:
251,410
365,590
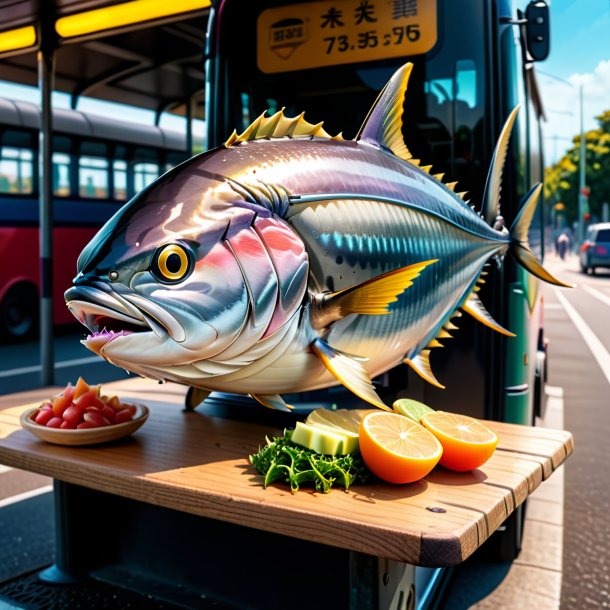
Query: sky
580,55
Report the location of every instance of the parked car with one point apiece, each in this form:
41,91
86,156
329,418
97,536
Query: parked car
595,251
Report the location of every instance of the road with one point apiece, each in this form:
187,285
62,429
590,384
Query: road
578,327
577,324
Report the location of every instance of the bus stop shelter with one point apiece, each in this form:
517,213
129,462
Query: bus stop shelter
145,53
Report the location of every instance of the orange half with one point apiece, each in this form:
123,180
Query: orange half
396,449
467,443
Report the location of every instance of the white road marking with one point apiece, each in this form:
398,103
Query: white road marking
24,370
600,353
4,469
26,495
552,306
600,296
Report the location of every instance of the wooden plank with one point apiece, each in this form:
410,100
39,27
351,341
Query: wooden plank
198,464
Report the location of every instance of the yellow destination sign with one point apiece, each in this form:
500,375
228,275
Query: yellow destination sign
316,34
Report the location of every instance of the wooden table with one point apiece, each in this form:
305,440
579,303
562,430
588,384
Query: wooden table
198,464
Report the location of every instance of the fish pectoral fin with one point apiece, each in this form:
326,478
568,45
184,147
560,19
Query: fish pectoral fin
194,397
272,402
383,124
348,370
421,365
474,306
371,297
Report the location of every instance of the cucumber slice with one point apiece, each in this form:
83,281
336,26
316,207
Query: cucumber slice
342,420
320,440
412,409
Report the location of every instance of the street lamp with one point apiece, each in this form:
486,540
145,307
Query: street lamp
582,190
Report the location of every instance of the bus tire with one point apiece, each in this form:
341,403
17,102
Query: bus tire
19,312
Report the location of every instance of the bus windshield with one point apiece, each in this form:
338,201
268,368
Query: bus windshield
445,104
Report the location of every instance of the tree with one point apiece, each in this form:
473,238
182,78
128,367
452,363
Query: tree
562,180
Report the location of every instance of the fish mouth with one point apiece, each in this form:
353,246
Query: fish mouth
109,316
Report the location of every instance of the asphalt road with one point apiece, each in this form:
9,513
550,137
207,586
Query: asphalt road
577,324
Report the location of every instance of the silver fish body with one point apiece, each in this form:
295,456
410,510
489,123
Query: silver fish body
245,269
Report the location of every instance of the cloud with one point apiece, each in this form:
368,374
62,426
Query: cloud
562,105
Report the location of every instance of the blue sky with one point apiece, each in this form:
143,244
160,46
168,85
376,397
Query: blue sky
580,54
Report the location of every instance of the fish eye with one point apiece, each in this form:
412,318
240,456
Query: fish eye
172,263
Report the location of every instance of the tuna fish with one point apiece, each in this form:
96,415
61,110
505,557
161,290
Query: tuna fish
288,260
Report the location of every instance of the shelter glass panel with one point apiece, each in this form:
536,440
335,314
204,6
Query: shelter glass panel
119,169
16,170
93,177
61,174
144,174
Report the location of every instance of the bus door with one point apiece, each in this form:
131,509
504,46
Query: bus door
330,59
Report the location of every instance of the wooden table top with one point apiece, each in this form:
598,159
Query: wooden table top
198,464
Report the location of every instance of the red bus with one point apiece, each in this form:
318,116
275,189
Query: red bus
98,164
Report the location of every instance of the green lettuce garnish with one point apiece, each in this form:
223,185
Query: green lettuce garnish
281,459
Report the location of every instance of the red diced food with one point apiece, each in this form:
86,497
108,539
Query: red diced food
44,416
85,425
74,414
55,422
93,417
123,416
109,413
81,407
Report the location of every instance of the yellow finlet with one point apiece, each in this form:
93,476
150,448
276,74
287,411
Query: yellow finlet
434,343
348,371
439,177
474,306
451,185
421,365
272,402
279,126
371,297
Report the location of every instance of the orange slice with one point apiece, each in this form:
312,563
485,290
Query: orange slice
467,443
396,449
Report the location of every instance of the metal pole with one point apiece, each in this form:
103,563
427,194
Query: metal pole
45,205
581,193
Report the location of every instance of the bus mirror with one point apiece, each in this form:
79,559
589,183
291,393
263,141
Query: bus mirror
538,29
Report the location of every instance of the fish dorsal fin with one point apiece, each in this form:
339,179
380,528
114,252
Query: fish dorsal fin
474,306
348,370
383,124
371,297
277,126
421,365
491,198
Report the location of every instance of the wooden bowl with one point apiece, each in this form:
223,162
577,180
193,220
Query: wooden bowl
88,436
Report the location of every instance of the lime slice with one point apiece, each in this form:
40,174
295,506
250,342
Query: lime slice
412,409
320,440
342,420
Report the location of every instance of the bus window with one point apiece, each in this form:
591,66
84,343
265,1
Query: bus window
93,177
16,170
119,169
144,174
61,174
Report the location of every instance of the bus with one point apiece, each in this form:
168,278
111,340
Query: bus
473,63
98,164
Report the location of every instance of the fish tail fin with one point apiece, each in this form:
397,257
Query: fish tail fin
520,247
